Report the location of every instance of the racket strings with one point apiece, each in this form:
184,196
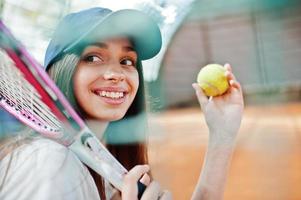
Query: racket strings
19,94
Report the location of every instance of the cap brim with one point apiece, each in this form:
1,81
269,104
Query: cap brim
140,28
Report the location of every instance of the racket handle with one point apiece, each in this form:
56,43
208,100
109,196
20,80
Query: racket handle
141,189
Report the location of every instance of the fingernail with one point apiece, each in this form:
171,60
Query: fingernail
145,179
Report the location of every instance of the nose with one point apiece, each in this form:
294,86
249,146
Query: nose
114,73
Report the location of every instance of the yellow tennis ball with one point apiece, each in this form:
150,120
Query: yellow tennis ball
212,80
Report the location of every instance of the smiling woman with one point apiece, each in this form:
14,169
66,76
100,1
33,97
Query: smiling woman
95,60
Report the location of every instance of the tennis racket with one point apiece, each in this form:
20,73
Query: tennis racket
28,93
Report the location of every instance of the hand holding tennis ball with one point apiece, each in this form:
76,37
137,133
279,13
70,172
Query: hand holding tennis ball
212,80
222,113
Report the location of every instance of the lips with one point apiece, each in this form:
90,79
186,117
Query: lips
111,95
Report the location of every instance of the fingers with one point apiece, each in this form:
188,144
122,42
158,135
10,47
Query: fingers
235,84
136,173
153,191
145,179
228,67
202,98
165,195
231,78
229,74
130,180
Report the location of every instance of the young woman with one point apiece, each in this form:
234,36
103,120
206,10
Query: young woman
95,59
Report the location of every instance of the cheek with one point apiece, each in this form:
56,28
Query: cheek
81,82
78,80
135,82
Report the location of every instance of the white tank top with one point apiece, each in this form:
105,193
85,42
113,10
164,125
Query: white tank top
46,170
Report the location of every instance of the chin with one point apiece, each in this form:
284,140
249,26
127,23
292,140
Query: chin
116,118
109,117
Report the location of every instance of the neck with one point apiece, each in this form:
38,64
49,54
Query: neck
97,127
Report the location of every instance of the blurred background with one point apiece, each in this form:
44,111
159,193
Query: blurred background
261,39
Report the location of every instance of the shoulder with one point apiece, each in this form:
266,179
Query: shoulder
49,168
42,154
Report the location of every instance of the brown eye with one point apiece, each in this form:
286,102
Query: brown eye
128,62
92,59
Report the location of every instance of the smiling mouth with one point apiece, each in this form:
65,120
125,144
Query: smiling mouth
110,94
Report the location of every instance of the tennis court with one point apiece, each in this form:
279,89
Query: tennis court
267,159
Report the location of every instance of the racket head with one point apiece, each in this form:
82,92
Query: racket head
31,96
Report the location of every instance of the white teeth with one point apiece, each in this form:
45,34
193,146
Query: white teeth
114,95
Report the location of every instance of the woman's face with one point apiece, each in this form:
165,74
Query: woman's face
106,79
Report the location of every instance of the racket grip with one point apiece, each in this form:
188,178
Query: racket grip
141,189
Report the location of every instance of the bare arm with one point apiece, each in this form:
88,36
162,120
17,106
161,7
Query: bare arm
223,116
212,180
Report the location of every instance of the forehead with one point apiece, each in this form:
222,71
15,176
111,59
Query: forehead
122,41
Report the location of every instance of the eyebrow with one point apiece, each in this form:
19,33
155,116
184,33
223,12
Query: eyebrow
105,46
128,48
